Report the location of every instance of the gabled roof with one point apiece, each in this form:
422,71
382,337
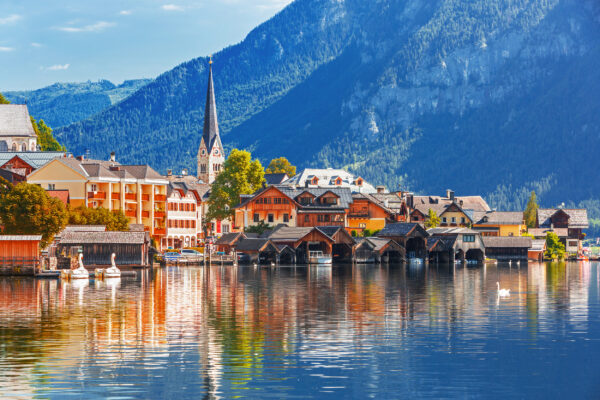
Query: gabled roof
326,178
475,203
15,121
35,159
578,218
230,238
258,244
76,237
142,172
541,232
452,231
289,233
400,229
507,241
62,195
498,218
275,179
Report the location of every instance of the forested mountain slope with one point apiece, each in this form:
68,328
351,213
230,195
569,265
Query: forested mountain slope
484,96
62,104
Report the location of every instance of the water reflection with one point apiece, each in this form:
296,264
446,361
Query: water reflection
382,331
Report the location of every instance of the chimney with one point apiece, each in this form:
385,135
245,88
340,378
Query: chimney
410,200
450,194
113,156
169,172
380,189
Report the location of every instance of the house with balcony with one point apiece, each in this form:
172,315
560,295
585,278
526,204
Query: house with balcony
137,190
373,211
567,224
499,223
329,178
453,211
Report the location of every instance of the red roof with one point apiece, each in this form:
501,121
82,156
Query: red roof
62,195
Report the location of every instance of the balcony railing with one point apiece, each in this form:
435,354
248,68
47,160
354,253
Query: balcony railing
97,195
130,196
130,213
160,231
145,197
115,195
160,197
146,214
159,214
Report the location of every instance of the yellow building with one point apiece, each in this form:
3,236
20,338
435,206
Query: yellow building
499,223
138,190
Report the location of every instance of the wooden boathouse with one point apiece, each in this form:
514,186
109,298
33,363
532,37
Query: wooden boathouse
19,254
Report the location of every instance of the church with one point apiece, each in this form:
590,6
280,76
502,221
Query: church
211,155
16,131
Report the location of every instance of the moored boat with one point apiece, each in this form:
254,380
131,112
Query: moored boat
317,257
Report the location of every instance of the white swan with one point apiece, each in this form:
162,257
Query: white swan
502,292
81,272
113,271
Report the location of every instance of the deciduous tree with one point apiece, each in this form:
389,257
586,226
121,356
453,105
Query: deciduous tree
433,220
113,220
555,250
28,210
240,175
530,214
281,165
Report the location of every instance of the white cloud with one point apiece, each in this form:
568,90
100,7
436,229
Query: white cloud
57,67
172,7
96,27
10,19
35,44
125,12
4,48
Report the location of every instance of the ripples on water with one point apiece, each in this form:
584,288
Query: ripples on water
362,331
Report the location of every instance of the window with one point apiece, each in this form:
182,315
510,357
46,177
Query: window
306,218
453,220
23,147
225,228
256,218
270,217
468,238
463,220
286,218
362,225
444,220
203,167
94,187
51,186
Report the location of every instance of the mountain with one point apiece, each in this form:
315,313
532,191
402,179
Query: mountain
62,104
486,96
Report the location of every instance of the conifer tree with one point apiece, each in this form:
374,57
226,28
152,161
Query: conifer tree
530,214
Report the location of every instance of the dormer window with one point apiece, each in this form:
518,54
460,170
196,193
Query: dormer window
314,181
359,182
338,181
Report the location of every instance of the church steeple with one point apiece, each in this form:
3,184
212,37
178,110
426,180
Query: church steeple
210,133
211,155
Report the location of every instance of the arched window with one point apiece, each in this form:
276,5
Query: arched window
14,147
3,145
32,146
23,147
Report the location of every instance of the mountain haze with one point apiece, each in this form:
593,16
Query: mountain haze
498,97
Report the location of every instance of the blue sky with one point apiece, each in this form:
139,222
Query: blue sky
47,41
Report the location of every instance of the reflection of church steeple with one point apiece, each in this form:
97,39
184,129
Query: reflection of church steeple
210,154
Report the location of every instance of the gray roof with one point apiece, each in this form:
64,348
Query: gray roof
36,159
344,194
399,229
252,244
507,241
498,217
15,121
75,237
377,243
289,233
275,179
329,230
475,203
229,238
142,172
327,177
578,218
84,228
20,237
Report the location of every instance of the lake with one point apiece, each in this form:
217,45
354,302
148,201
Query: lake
306,332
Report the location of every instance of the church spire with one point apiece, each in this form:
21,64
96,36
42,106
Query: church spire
210,134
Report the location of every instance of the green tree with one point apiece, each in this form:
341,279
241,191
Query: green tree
3,100
113,220
240,175
432,220
281,165
530,214
46,140
555,249
28,210
259,228
367,233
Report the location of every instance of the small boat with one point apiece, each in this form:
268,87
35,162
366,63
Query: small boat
415,261
113,271
78,273
317,257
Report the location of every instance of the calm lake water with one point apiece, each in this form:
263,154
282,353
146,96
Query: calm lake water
318,332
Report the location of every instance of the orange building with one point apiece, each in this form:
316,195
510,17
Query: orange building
373,211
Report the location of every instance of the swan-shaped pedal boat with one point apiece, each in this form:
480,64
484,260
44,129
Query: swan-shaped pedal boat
113,271
78,273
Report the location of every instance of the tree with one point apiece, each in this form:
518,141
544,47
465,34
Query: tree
530,214
46,140
240,175
3,100
555,250
259,228
113,220
281,165
432,219
28,210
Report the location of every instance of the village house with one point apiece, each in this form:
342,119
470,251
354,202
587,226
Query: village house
329,178
451,244
412,237
24,163
508,248
567,224
373,211
137,190
499,223
453,211
16,130
302,207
